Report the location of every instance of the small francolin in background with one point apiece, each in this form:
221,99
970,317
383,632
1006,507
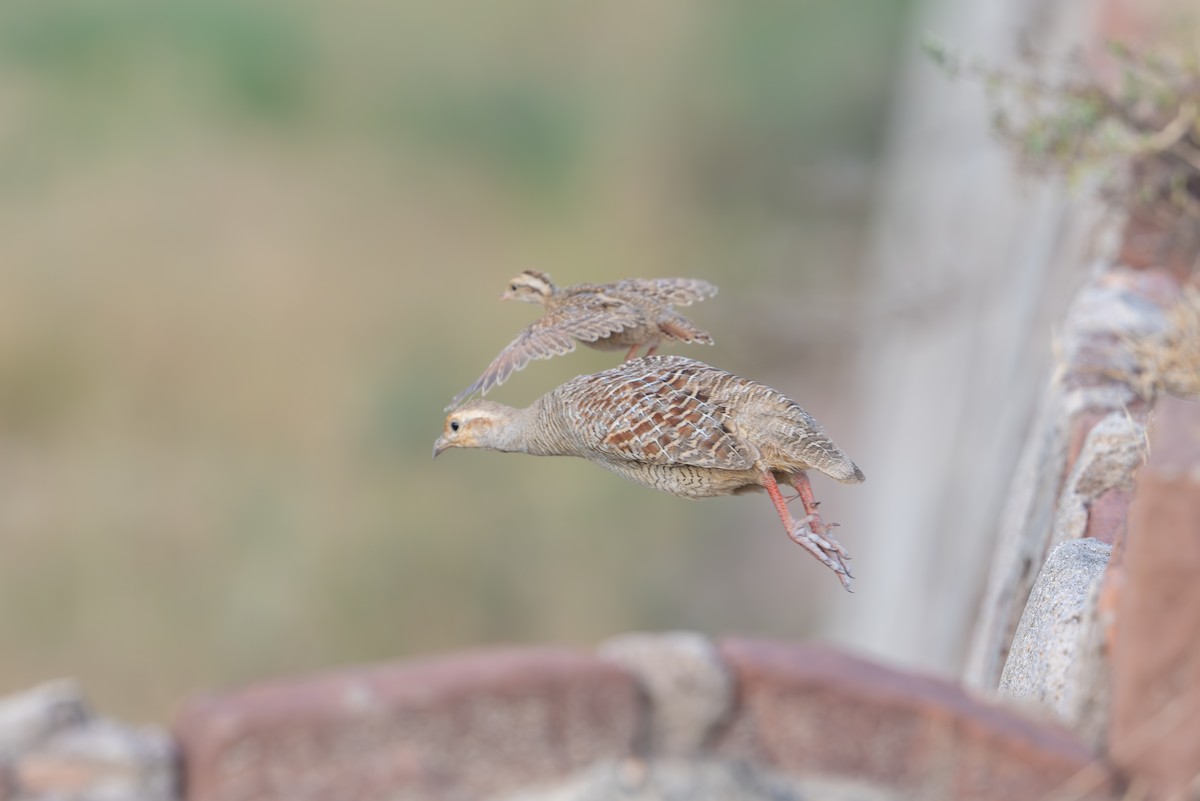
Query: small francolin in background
625,315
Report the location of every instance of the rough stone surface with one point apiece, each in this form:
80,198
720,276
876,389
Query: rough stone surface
1112,451
1055,638
1111,454
34,716
688,685
460,727
689,780
54,748
101,760
813,711
1155,729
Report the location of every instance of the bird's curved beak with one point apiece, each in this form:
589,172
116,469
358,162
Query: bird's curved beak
506,295
440,446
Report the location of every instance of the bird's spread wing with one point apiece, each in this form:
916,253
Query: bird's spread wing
590,318
659,416
672,291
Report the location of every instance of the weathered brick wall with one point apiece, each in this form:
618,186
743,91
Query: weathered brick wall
644,714
646,717
1092,602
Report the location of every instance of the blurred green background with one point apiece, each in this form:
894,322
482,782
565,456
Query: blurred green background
248,251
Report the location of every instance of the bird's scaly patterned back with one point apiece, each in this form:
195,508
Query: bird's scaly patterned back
676,410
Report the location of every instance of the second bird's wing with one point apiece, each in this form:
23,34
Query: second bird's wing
671,291
588,319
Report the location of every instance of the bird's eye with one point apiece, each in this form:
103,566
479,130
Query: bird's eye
455,425
513,288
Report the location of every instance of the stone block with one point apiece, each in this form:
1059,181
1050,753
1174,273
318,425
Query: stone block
1096,494
689,688
807,710
54,748
1056,659
36,715
458,727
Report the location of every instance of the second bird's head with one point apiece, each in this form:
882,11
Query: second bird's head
530,286
476,424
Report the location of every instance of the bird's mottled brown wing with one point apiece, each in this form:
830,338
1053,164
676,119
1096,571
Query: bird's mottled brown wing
586,319
671,291
658,410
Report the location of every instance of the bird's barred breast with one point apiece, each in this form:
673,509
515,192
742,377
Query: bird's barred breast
684,481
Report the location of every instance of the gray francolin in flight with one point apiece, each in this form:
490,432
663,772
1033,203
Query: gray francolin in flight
624,315
677,425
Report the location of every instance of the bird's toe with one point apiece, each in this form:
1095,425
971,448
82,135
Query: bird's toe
827,550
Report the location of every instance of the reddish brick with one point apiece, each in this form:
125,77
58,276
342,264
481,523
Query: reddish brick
459,727
1107,515
1155,727
1147,238
1109,598
1080,426
810,710
1161,236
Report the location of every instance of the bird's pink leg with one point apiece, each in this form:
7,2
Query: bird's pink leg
633,352
805,493
652,350
800,482
803,533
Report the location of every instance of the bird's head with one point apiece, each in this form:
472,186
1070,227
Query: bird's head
476,424
530,286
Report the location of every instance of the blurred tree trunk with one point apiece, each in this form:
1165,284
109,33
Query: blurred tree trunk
970,267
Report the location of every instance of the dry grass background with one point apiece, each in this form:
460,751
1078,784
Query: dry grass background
248,251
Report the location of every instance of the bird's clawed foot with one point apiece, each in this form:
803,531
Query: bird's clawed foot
812,535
